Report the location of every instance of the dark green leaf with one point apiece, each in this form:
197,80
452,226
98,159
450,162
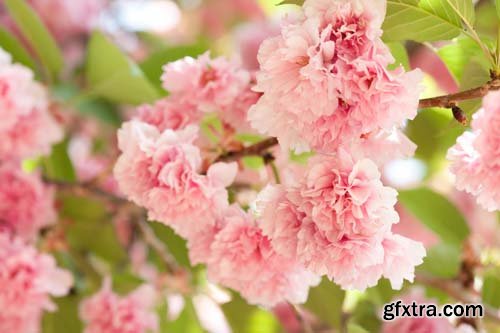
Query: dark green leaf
102,110
437,213
37,35
353,328
366,315
291,2
19,54
112,75
58,165
325,301
442,260
65,319
175,244
125,282
81,208
245,318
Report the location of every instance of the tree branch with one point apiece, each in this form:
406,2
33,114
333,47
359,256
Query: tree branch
256,149
448,101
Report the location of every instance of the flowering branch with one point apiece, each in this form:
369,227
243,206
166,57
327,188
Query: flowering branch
256,149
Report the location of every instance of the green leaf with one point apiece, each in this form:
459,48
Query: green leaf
458,54
101,109
19,54
367,315
491,288
65,319
253,162
497,5
400,55
325,301
437,213
245,318
176,244
354,328
112,75
442,260
425,20
58,165
81,208
187,322
475,75
125,282
37,35
153,65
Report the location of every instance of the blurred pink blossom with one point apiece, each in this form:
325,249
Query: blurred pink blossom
27,281
107,312
26,204
27,128
248,40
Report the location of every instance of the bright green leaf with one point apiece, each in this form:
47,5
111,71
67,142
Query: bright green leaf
245,318
325,301
442,260
400,55
65,319
458,54
58,165
37,35
112,75
425,20
437,213
475,74
19,54
253,162
491,288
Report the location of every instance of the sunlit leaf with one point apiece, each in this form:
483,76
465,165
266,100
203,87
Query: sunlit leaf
14,47
112,75
400,55
325,301
437,213
442,260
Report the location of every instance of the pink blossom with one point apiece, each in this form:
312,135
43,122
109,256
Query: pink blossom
69,19
169,113
475,158
243,258
107,312
159,171
26,204
332,55
212,85
27,280
27,128
337,221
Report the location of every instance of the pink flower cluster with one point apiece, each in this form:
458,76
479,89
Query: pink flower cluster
337,221
331,54
160,171
107,312
27,129
475,158
27,280
26,204
209,85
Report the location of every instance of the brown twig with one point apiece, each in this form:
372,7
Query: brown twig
256,149
448,101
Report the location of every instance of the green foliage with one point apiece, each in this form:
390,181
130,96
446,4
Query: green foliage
426,20
442,260
65,319
153,65
37,35
491,288
497,5
176,245
187,322
58,165
291,2
245,318
437,213
400,54
458,54
112,75
253,162
19,54
325,301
